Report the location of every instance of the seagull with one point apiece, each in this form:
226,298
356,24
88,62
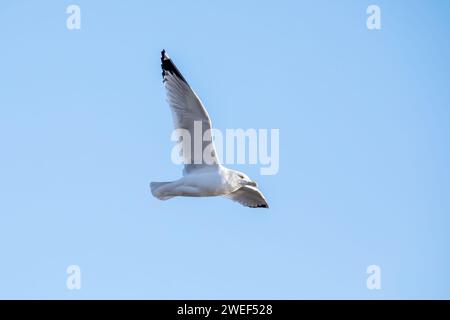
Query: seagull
207,178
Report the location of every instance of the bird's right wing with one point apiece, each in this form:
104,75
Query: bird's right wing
249,196
187,109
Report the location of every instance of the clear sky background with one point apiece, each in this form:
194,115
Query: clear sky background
364,119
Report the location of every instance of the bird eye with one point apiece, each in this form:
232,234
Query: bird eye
241,176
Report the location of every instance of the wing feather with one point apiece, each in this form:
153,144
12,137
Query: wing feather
249,196
186,109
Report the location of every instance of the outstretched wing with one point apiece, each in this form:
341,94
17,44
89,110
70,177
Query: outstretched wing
188,113
249,196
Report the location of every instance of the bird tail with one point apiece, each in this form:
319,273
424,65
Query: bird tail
157,191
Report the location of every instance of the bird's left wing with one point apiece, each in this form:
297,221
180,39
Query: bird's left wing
249,196
187,109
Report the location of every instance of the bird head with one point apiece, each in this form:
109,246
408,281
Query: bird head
244,180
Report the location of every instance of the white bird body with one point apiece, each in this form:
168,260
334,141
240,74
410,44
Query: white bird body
204,179
204,182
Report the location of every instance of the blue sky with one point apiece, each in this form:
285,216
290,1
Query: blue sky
364,119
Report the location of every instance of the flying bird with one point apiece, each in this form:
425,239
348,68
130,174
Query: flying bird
204,179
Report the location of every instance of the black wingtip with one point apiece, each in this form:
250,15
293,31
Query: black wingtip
265,205
168,66
163,55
